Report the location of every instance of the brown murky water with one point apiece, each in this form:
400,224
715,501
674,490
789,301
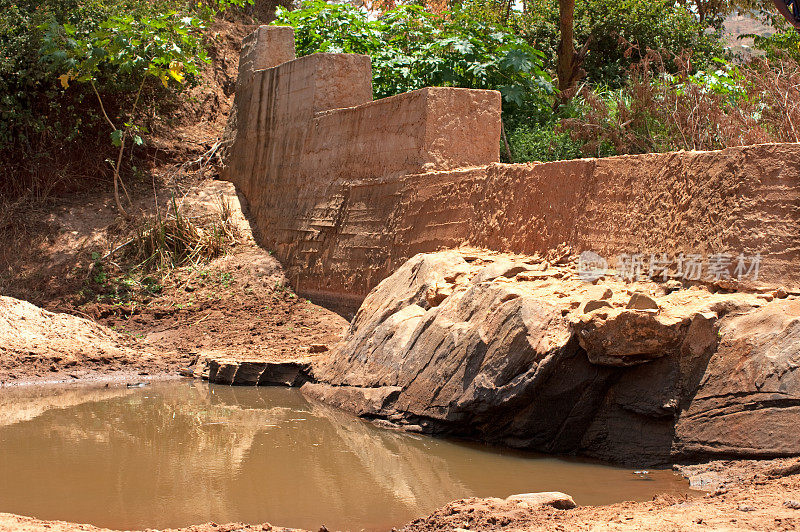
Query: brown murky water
178,453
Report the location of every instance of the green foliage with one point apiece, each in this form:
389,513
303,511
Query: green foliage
28,91
332,28
479,44
47,121
783,43
726,79
411,48
656,111
621,32
713,12
165,45
542,143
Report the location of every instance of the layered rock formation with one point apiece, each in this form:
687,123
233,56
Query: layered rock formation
345,189
516,351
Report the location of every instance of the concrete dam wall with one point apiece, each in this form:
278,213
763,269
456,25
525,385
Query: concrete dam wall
344,189
474,317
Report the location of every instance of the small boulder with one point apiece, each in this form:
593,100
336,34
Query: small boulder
501,268
628,337
640,301
556,499
607,294
793,504
598,292
672,285
730,284
594,304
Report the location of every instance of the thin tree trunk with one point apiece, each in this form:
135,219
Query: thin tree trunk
566,50
784,10
568,67
119,158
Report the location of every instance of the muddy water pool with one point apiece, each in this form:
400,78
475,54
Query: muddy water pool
178,453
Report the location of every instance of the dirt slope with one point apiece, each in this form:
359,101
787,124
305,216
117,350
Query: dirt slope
238,304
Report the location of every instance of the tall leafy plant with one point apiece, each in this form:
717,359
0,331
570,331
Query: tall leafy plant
619,33
165,46
411,48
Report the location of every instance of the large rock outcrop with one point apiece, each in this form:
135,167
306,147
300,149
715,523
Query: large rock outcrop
509,349
516,351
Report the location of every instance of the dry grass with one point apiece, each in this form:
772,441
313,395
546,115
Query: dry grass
653,115
176,239
161,246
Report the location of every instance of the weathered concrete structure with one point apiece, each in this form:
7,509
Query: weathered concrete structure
344,189
490,341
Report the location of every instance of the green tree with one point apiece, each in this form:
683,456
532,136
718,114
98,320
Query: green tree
618,33
165,46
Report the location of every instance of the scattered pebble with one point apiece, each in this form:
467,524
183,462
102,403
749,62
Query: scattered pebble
317,348
595,304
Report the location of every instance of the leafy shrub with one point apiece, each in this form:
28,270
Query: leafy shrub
34,115
164,45
53,133
542,143
411,48
785,42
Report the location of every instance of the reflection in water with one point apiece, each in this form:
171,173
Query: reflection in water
174,454
25,403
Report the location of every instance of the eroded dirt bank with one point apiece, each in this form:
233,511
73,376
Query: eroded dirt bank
239,305
745,495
